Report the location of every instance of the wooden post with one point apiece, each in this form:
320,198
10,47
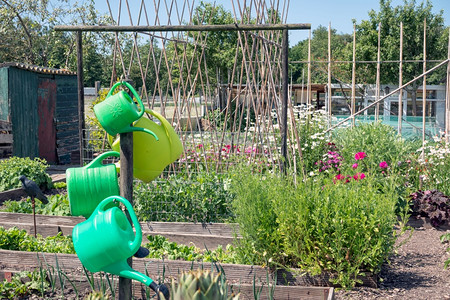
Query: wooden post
353,104
377,91
329,75
126,191
447,97
284,98
308,88
424,85
80,83
400,82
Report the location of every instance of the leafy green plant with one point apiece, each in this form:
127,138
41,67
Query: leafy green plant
445,238
58,206
316,225
161,248
22,284
19,240
254,211
203,197
34,169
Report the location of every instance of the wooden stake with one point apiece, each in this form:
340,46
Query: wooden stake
353,104
80,81
377,91
308,88
284,98
424,89
400,82
447,98
329,75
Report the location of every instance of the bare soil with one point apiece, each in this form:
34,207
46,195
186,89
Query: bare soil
416,271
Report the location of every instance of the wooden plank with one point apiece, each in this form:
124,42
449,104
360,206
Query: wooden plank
246,291
5,125
6,138
11,194
221,229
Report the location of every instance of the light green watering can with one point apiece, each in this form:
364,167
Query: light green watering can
89,185
118,111
106,240
151,157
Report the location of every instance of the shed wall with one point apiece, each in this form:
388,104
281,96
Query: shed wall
4,99
23,87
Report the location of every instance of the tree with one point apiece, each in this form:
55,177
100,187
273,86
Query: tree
319,53
412,15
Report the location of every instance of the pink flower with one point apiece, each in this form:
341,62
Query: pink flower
355,165
359,176
383,165
360,155
200,146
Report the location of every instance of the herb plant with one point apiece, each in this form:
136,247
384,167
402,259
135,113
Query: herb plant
22,284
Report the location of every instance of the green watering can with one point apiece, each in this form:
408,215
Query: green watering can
151,157
118,111
89,185
106,240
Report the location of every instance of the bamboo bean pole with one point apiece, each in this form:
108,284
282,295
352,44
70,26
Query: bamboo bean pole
447,61
447,98
377,91
308,87
80,83
329,75
424,89
400,82
353,104
284,98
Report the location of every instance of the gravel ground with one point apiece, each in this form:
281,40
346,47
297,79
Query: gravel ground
416,271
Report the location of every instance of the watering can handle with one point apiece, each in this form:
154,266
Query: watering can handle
164,122
134,245
98,161
133,91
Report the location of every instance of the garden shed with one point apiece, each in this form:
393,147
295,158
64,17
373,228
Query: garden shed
40,107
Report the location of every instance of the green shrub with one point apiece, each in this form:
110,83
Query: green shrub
317,225
34,169
378,141
255,213
204,197
19,240
58,205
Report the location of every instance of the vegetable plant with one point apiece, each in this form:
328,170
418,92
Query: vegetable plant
34,169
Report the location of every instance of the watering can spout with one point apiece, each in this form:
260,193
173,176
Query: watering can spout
124,270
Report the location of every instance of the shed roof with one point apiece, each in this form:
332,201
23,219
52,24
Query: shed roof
38,69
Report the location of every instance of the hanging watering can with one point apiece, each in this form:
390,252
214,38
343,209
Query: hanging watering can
151,157
118,111
106,240
89,185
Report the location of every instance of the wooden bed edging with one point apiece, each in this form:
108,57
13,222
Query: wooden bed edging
241,277
201,235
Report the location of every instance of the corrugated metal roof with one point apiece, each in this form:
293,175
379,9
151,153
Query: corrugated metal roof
37,69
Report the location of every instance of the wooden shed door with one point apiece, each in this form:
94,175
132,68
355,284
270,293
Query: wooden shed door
46,113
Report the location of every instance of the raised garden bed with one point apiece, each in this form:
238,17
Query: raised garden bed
240,277
201,235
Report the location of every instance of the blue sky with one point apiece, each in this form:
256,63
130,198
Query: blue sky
320,12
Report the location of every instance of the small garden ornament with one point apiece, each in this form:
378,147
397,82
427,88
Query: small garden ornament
33,191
